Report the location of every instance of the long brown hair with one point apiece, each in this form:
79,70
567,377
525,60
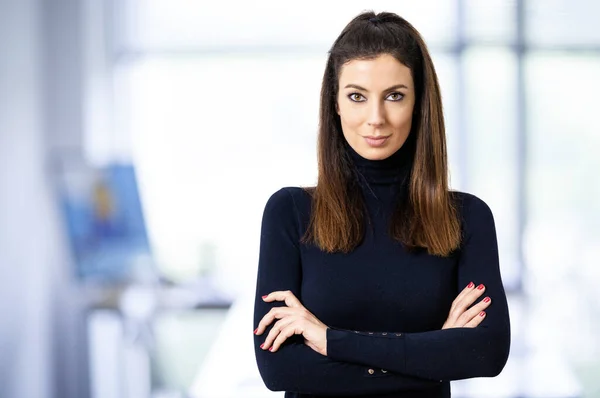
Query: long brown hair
428,218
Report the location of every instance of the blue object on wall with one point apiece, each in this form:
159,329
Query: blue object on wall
105,222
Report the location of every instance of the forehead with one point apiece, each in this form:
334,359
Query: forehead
383,70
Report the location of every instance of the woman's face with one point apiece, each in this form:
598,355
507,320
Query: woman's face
376,99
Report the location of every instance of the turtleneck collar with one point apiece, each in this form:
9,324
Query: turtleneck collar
391,170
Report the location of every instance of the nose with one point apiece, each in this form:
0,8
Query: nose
376,115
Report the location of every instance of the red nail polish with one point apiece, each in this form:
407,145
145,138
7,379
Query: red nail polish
470,285
262,345
482,313
255,330
486,300
271,349
480,287
265,296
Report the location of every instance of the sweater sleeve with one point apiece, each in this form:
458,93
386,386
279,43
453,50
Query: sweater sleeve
449,354
295,366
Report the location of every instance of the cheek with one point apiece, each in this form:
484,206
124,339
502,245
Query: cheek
407,122
404,119
351,120
351,116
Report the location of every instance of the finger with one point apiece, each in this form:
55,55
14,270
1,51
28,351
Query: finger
468,299
285,334
470,286
476,320
457,308
457,316
287,296
474,311
274,313
275,331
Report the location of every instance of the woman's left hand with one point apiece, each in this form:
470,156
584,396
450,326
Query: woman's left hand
293,319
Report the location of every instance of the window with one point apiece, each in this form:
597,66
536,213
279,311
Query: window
212,100
564,192
491,145
207,101
207,133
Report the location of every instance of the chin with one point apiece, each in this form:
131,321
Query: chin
376,153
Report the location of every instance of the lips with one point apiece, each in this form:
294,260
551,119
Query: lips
376,141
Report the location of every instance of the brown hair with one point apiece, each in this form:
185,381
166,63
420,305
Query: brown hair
428,217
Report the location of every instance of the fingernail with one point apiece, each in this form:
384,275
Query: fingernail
265,296
470,285
262,345
271,349
482,313
486,300
480,287
255,330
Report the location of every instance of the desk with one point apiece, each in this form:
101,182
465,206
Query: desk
121,335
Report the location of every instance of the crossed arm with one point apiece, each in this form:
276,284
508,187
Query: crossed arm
410,360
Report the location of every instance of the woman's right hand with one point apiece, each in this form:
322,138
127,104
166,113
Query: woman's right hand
461,316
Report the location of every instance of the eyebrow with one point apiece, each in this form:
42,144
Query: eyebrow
356,86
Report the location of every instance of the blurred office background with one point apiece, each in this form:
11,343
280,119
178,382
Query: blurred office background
131,131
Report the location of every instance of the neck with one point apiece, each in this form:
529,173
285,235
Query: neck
394,169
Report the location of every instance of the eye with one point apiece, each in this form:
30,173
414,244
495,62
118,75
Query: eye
396,96
355,97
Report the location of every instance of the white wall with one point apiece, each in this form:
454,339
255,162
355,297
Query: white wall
26,220
40,84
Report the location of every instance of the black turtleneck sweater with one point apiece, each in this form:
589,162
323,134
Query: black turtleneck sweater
384,306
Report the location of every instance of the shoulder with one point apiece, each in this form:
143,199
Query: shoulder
478,228
288,196
473,211
288,200
285,212
468,203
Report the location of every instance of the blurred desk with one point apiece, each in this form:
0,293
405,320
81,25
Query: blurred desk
529,373
132,331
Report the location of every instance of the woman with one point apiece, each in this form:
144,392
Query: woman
379,281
